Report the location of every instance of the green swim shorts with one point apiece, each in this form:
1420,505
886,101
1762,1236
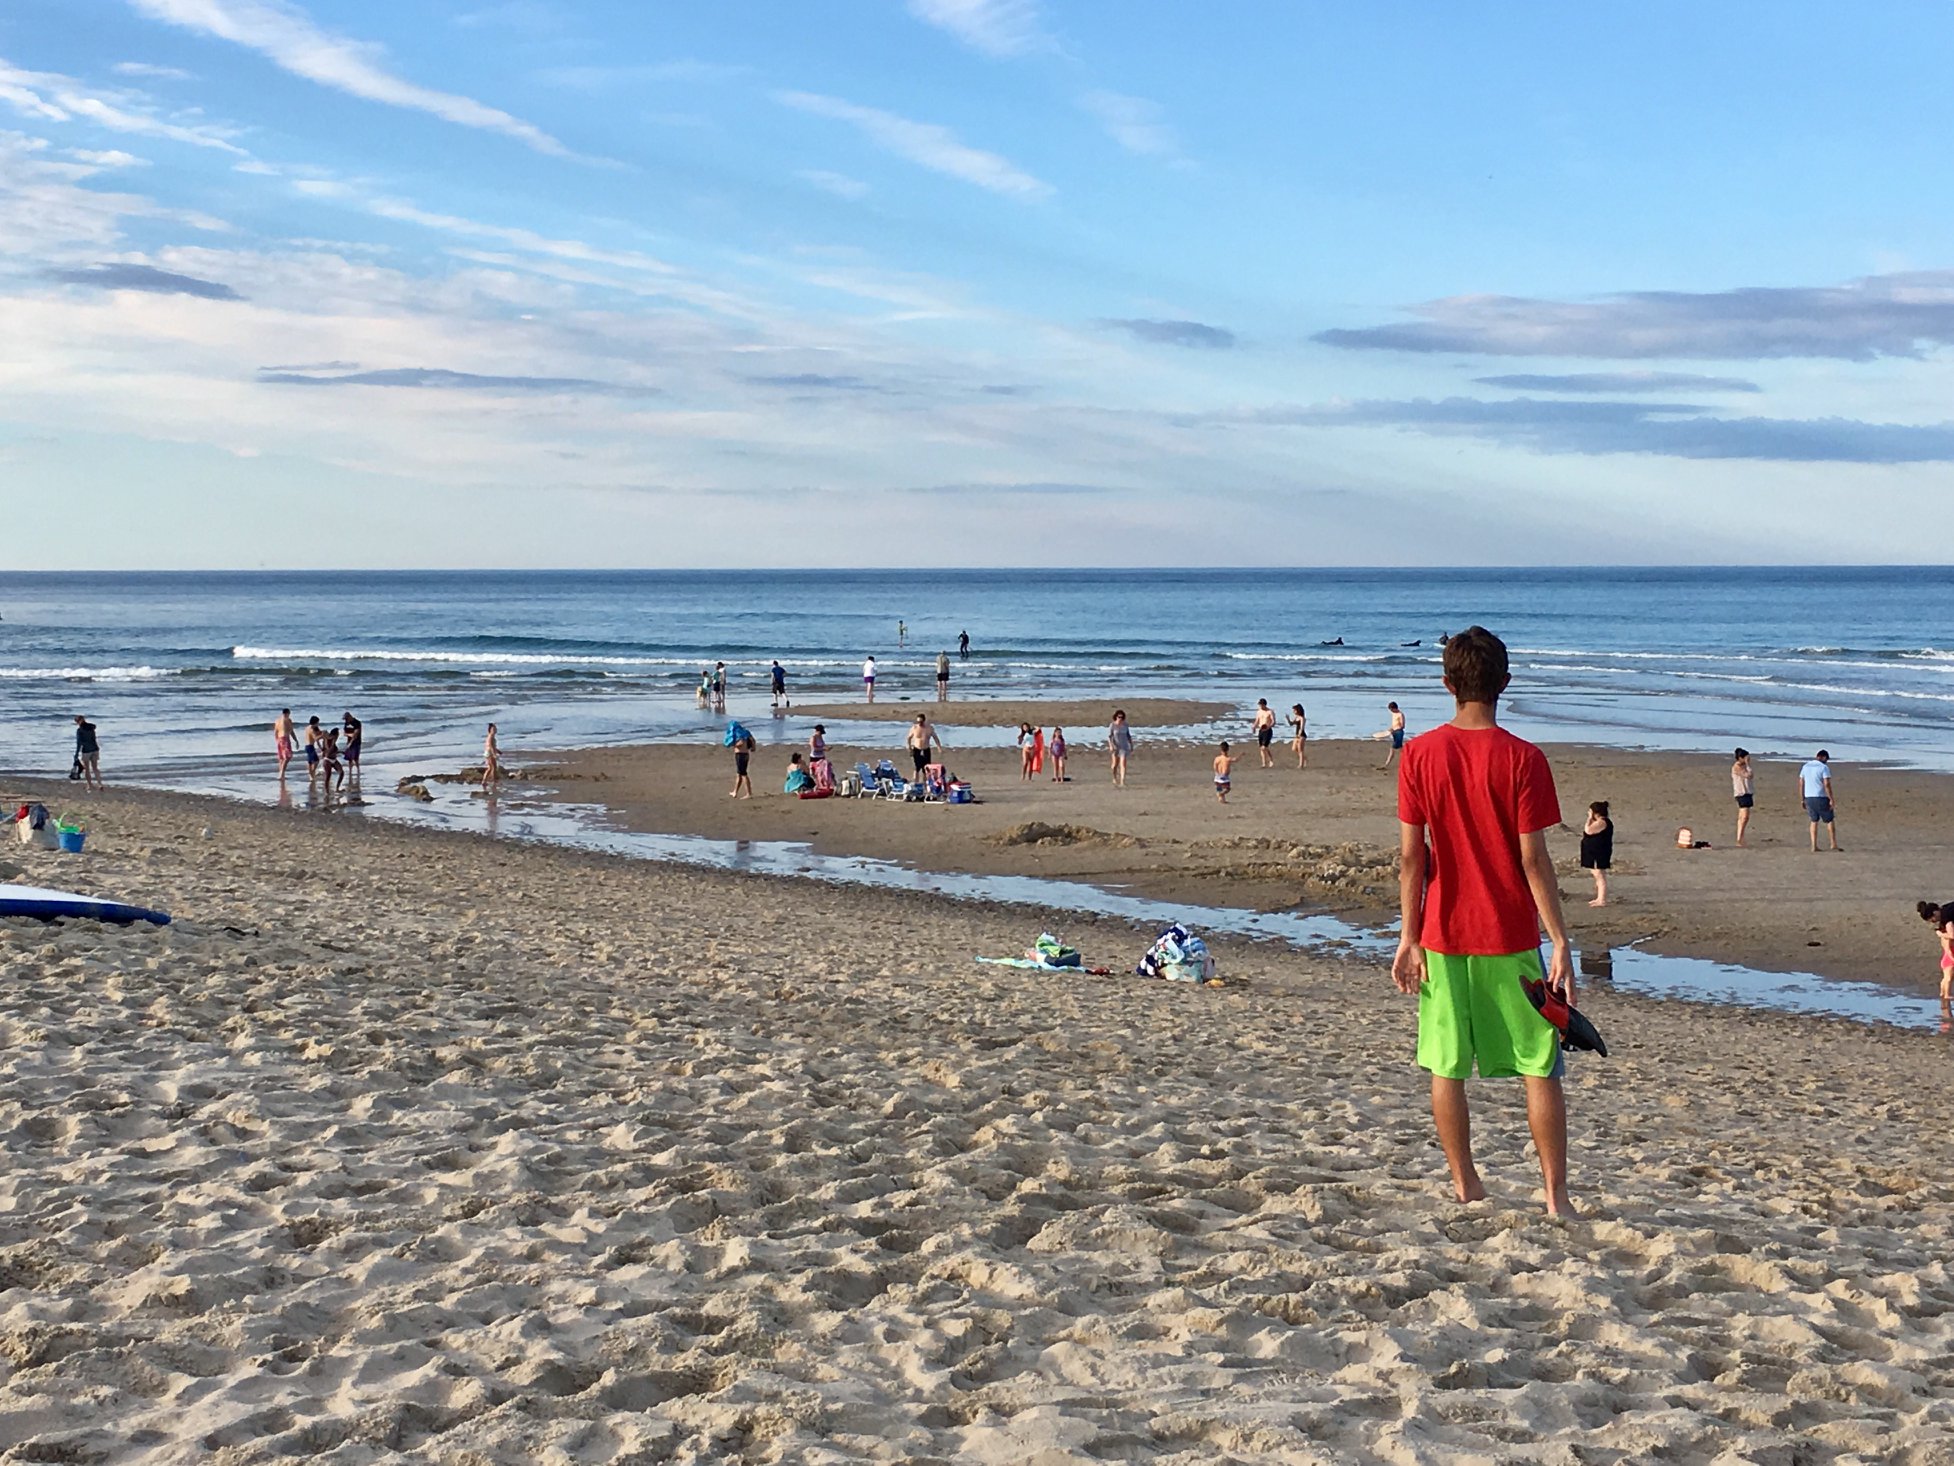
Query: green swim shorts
1473,1009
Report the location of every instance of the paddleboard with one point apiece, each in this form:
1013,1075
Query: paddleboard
41,902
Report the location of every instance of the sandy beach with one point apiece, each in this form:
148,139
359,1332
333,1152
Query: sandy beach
1325,838
401,1141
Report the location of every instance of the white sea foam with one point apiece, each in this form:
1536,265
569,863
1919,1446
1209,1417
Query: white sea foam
86,674
462,659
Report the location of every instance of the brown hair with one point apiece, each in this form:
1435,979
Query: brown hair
1475,665
1930,912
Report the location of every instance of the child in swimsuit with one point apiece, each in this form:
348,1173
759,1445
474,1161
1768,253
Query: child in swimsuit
1056,748
1224,763
1941,917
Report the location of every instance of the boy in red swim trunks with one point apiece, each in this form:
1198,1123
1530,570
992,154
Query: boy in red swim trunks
1474,902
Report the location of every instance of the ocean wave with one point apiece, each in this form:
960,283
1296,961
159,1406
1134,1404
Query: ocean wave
86,674
438,658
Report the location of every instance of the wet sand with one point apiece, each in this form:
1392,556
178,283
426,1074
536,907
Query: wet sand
405,1142
1325,838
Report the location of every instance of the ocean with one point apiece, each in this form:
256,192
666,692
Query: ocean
183,673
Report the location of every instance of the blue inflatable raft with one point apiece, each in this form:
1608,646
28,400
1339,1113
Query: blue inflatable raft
40,902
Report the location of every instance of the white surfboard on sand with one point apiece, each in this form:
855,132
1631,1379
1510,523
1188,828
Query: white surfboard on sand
41,902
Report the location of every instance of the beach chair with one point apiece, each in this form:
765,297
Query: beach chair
871,786
936,783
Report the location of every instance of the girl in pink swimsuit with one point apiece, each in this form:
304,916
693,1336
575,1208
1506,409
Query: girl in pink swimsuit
1942,919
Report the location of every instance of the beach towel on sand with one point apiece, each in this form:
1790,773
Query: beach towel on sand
1047,954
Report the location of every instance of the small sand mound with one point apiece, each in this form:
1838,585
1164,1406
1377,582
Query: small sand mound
1037,832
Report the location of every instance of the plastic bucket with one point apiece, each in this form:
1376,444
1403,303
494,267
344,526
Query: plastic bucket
71,840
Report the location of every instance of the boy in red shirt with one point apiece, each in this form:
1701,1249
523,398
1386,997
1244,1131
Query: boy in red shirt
1474,902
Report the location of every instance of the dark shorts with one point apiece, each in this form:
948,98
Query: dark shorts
920,757
1818,809
1745,801
311,754
942,679
739,761
1397,738
1265,736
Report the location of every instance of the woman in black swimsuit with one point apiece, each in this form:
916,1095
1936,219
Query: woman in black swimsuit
1598,848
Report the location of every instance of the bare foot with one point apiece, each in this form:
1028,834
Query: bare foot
1471,1189
1597,902
1560,1204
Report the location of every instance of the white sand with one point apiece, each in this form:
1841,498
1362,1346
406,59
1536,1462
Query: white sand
701,1168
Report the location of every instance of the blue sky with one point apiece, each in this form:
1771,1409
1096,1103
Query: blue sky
971,282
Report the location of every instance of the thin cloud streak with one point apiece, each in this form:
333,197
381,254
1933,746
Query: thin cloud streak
47,96
1135,123
1603,383
288,38
1196,334
923,143
120,276
1878,316
1663,429
439,378
995,27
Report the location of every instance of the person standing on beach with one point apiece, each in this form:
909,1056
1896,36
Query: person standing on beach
942,676
1474,901
705,687
1815,784
719,687
868,678
355,734
1224,766
329,760
1265,731
742,759
1397,734
1941,917
1056,748
779,675
963,646
922,737
1119,743
284,740
1024,753
1598,849
88,753
1300,726
817,743
1741,785
315,740
491,760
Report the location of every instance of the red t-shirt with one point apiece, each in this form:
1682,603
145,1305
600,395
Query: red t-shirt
1476,791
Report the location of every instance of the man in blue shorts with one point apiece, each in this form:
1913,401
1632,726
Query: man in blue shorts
1475,899
1815,783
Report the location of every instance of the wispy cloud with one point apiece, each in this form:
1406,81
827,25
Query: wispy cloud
50,97
112,158
122,276
150,72
1176,333
1666,429
818,382
1032,487
923,143
838,184
444,380
1880,315
288,38
1135,123
995,27
1604,383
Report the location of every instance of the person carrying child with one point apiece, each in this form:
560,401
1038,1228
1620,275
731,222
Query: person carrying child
1477,884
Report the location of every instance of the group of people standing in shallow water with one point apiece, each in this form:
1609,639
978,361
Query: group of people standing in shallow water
326,756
